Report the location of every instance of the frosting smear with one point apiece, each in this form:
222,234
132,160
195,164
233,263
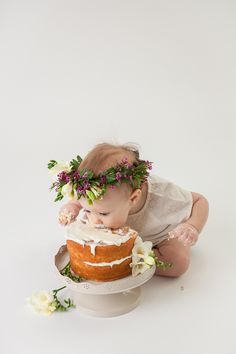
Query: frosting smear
82,233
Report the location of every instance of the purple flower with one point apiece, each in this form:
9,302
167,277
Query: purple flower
76,175
103,179
62,176
125,162
149,164
118,176
79,189
82,188
86,185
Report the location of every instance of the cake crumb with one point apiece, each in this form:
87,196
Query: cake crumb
182,287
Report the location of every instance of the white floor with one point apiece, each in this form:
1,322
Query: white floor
158,73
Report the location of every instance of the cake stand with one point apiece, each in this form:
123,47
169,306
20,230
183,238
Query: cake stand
103,299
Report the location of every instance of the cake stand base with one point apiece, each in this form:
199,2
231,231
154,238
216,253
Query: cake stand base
106,305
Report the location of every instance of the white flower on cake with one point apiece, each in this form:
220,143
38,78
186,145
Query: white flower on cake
42,302
59,167
150,260
143,257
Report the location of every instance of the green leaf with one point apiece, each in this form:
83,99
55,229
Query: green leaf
53,186
96,191
59,197
110,179
161,264
90,195
67,272
74,163
52,163
79,159
90,174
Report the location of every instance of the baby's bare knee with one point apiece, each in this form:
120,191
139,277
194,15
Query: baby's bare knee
180,265
179,257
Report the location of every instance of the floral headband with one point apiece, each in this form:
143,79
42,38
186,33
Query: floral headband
74,183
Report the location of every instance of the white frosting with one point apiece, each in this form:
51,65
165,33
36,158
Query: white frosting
85,234
104,264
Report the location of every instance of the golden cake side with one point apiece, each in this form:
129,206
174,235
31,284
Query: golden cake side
104,262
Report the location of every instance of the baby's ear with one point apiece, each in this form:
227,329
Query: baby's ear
135,196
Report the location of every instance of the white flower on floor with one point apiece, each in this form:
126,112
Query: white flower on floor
143,257
46,302
42,302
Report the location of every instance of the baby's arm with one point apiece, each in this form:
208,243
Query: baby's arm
188,231
69,211
200,211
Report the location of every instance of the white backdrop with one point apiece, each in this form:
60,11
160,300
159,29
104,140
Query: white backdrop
158,73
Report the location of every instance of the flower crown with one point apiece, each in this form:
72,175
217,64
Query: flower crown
71,182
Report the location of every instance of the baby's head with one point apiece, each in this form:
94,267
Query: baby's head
113,208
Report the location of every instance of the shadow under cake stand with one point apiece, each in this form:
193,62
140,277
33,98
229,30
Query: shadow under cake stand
103,299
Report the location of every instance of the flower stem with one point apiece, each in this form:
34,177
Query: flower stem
56,290
58,305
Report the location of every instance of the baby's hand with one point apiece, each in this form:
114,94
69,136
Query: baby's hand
185,233
67,215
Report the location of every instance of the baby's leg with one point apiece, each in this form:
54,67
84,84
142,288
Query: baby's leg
175,252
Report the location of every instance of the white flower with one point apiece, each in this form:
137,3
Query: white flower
142,249
139,268
42,302
142,256
59,167
149,260
67,190
138,240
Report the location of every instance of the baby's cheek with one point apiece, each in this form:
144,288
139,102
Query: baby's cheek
120,221
124,216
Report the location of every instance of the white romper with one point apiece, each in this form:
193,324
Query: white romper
166,206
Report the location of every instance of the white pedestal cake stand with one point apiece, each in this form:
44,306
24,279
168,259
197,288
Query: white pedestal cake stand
103,299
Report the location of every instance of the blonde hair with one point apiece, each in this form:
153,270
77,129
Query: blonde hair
106,155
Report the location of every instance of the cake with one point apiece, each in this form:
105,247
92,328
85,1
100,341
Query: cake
99,253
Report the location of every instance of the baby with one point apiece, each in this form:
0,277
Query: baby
157,209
